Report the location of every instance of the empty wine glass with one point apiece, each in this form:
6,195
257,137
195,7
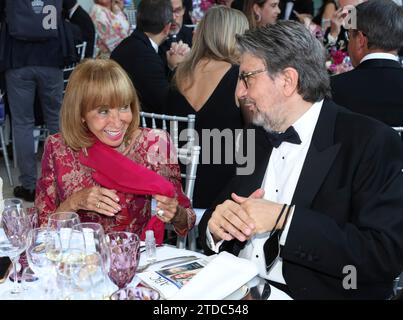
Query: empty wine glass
43,254
15,226
32,213
124,257
62,223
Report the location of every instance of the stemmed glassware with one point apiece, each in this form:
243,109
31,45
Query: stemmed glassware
43,255
62,223
14,228
124,257
90,239
32,213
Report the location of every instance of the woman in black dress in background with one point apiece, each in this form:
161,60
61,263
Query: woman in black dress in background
204,85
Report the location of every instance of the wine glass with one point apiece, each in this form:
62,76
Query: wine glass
68,269
90,238
62,223
32,213
124,257
43,254
15,226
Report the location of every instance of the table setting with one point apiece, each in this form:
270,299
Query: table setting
70,260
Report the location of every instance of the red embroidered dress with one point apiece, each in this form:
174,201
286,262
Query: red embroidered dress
63,174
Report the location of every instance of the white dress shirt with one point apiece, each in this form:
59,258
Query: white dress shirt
380,55
288,9
155,46
281,178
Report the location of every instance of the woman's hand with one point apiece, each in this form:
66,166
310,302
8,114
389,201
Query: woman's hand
98,199
167,208
337,21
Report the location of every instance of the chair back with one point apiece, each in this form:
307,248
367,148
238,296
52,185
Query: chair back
188,154
69,69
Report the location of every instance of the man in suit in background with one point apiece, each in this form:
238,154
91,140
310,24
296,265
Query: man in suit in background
326,194
178,32
138,54
79,17
375,86
288,7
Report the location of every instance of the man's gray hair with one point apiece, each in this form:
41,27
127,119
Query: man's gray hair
382,23
290,44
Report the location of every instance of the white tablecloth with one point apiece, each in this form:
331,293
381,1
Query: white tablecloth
31,292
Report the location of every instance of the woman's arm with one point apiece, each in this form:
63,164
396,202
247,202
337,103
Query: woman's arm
164,157
46,198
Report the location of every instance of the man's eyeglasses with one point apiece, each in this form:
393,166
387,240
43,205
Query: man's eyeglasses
178,11
348,35
243,76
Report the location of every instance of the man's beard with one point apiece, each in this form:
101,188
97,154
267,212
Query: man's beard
174,31
271,123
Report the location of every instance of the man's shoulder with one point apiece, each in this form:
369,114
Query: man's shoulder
133,46
352,124
344,78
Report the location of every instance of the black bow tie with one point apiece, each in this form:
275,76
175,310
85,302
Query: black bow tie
290,135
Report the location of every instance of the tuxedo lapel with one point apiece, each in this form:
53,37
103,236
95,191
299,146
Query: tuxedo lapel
320,157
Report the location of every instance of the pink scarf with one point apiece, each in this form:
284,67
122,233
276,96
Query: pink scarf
113,170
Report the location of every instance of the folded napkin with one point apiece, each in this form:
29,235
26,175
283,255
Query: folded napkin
222,276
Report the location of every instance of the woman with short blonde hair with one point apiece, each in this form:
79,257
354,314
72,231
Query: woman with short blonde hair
88,88
103,163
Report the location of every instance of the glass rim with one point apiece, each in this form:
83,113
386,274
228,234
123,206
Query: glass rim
56,214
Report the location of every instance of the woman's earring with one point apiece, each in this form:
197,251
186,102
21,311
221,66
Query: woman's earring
258,17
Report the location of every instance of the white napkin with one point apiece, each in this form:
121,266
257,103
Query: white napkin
221,277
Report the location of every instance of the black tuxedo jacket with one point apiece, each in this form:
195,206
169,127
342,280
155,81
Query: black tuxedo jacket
82,19
146,69
301,6
373,88
348,208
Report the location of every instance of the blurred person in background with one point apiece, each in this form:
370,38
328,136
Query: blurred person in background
261,12
111,25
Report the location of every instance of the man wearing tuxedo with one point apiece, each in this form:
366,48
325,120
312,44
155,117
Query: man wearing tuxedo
300,6
178,32
326,195
138,54
375,86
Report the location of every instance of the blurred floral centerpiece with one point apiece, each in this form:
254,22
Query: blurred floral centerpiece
338,61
